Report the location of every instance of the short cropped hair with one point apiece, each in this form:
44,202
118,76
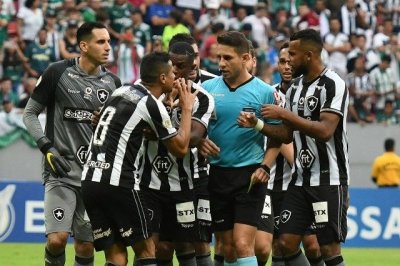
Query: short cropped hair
389,144
85,30
284,46
309,36
182,48
182,37
234,39
153,65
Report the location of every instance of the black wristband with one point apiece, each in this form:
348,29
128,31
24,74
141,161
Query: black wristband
44,144
266,168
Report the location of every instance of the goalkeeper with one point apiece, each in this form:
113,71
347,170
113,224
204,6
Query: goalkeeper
70,90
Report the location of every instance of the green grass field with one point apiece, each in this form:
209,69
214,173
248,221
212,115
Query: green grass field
32,255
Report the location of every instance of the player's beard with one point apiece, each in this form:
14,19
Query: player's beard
297,72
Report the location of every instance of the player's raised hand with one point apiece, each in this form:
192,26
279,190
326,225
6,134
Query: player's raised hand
186,97
272,111
247,119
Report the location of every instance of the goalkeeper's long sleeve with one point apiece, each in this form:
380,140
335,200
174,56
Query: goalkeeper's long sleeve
31,120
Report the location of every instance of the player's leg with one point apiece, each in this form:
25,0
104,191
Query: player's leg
82,231
165,253
264,235
276,200
222,213
96,198
249,207
296,215
311,248
183,228
203,218
59,207
331,223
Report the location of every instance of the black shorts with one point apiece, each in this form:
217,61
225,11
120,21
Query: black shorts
230,200
266,223
203,212
277,199
324,205
117,214
172,214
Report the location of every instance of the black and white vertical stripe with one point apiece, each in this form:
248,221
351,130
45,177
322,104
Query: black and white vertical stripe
319,163
281,171
115,160
177,173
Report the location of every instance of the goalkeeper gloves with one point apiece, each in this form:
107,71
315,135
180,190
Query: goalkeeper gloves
58,166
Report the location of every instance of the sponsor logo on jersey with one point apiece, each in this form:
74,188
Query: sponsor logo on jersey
74,76
88,93
306,158
98,164
72,91
7,212
105,81
126,233
78,115
81,153
162,164
285,216
58,214
100,233
311,102
102,95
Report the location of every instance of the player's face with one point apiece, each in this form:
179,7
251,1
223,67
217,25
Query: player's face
98,47
168,78
195,72
298,59
230,62
181,66
284,67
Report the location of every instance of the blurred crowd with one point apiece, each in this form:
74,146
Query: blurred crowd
361,40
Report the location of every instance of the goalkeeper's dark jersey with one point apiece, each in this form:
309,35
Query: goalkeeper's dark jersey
71,96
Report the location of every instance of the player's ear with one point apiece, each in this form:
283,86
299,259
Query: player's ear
246,57
163,78
83,46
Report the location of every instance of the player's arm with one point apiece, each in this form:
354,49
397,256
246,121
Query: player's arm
322,129
375,172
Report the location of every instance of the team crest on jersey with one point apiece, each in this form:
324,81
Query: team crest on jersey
58,214
311,102
102,95
306,158
285,216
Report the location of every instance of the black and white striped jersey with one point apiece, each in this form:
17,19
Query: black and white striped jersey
200,162
281,171
163,171
116,148
319,163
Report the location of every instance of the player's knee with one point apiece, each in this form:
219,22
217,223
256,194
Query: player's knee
243,247
330,250
84,248
184,247
311,249
262,250
165,250
56,242
287,247
202,248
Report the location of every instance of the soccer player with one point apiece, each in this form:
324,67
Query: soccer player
113,171
200,174
70,90
315,119
237,181
168,181
281,171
